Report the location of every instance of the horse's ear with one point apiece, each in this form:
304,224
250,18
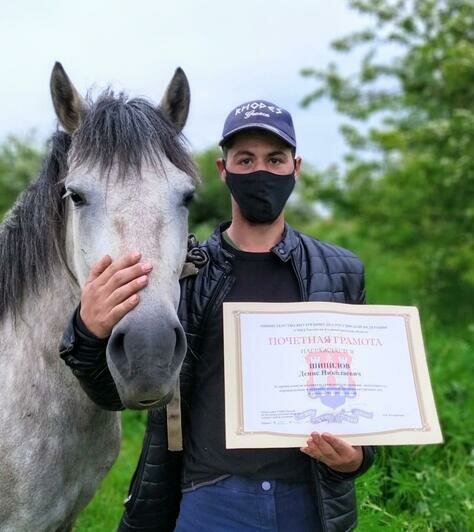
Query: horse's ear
68,103
175,102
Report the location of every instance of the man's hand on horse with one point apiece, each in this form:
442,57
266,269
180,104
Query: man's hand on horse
111,291
334,452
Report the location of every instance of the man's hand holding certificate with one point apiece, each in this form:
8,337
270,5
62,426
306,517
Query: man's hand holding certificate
334,452
357,372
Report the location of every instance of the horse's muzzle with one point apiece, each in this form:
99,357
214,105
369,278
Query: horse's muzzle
145,362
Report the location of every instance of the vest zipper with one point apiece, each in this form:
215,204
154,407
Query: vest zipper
303,294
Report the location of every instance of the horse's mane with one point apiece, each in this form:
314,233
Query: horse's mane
115,131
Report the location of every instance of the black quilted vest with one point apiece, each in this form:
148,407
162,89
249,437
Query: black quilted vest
325,273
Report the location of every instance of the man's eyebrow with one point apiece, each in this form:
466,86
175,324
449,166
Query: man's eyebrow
243,152
277,152
271,154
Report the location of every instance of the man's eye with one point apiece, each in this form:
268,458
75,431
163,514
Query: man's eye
76,197
275,161
245,162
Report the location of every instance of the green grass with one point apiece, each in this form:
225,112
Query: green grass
430,488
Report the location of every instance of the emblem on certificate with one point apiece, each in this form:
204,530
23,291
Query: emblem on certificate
357,371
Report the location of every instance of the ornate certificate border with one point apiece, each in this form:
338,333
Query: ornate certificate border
236,437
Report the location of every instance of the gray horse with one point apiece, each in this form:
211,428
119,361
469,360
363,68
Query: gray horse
116,180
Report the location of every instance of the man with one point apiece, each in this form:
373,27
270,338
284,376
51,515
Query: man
255,257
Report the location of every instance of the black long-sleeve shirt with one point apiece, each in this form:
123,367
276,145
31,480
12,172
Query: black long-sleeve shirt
258,277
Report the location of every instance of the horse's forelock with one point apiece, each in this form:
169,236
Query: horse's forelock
121,133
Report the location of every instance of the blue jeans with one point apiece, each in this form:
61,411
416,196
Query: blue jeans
238,504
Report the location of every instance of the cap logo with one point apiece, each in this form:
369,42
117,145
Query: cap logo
260,114
250,109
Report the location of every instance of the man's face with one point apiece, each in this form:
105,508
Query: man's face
258,150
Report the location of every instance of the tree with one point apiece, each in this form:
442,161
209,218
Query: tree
211,205
409,176
19,163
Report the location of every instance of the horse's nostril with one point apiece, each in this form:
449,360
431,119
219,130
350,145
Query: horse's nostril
180,345
117,352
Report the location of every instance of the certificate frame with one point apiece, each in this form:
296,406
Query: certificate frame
237,437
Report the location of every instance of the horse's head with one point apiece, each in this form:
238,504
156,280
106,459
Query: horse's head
129,179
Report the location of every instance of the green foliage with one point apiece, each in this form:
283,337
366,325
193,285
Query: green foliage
404,202
409,177
429,487
19,164
211,205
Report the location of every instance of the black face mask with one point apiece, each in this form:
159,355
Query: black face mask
260,195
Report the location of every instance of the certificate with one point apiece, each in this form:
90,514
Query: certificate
356,371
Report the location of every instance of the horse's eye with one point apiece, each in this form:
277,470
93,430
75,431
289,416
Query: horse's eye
188,197
76,198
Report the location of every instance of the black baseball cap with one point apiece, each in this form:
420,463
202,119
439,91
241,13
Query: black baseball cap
260,114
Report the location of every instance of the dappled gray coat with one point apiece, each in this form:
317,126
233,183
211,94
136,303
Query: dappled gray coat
325,273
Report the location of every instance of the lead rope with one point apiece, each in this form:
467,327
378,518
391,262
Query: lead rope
196,258
173,421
